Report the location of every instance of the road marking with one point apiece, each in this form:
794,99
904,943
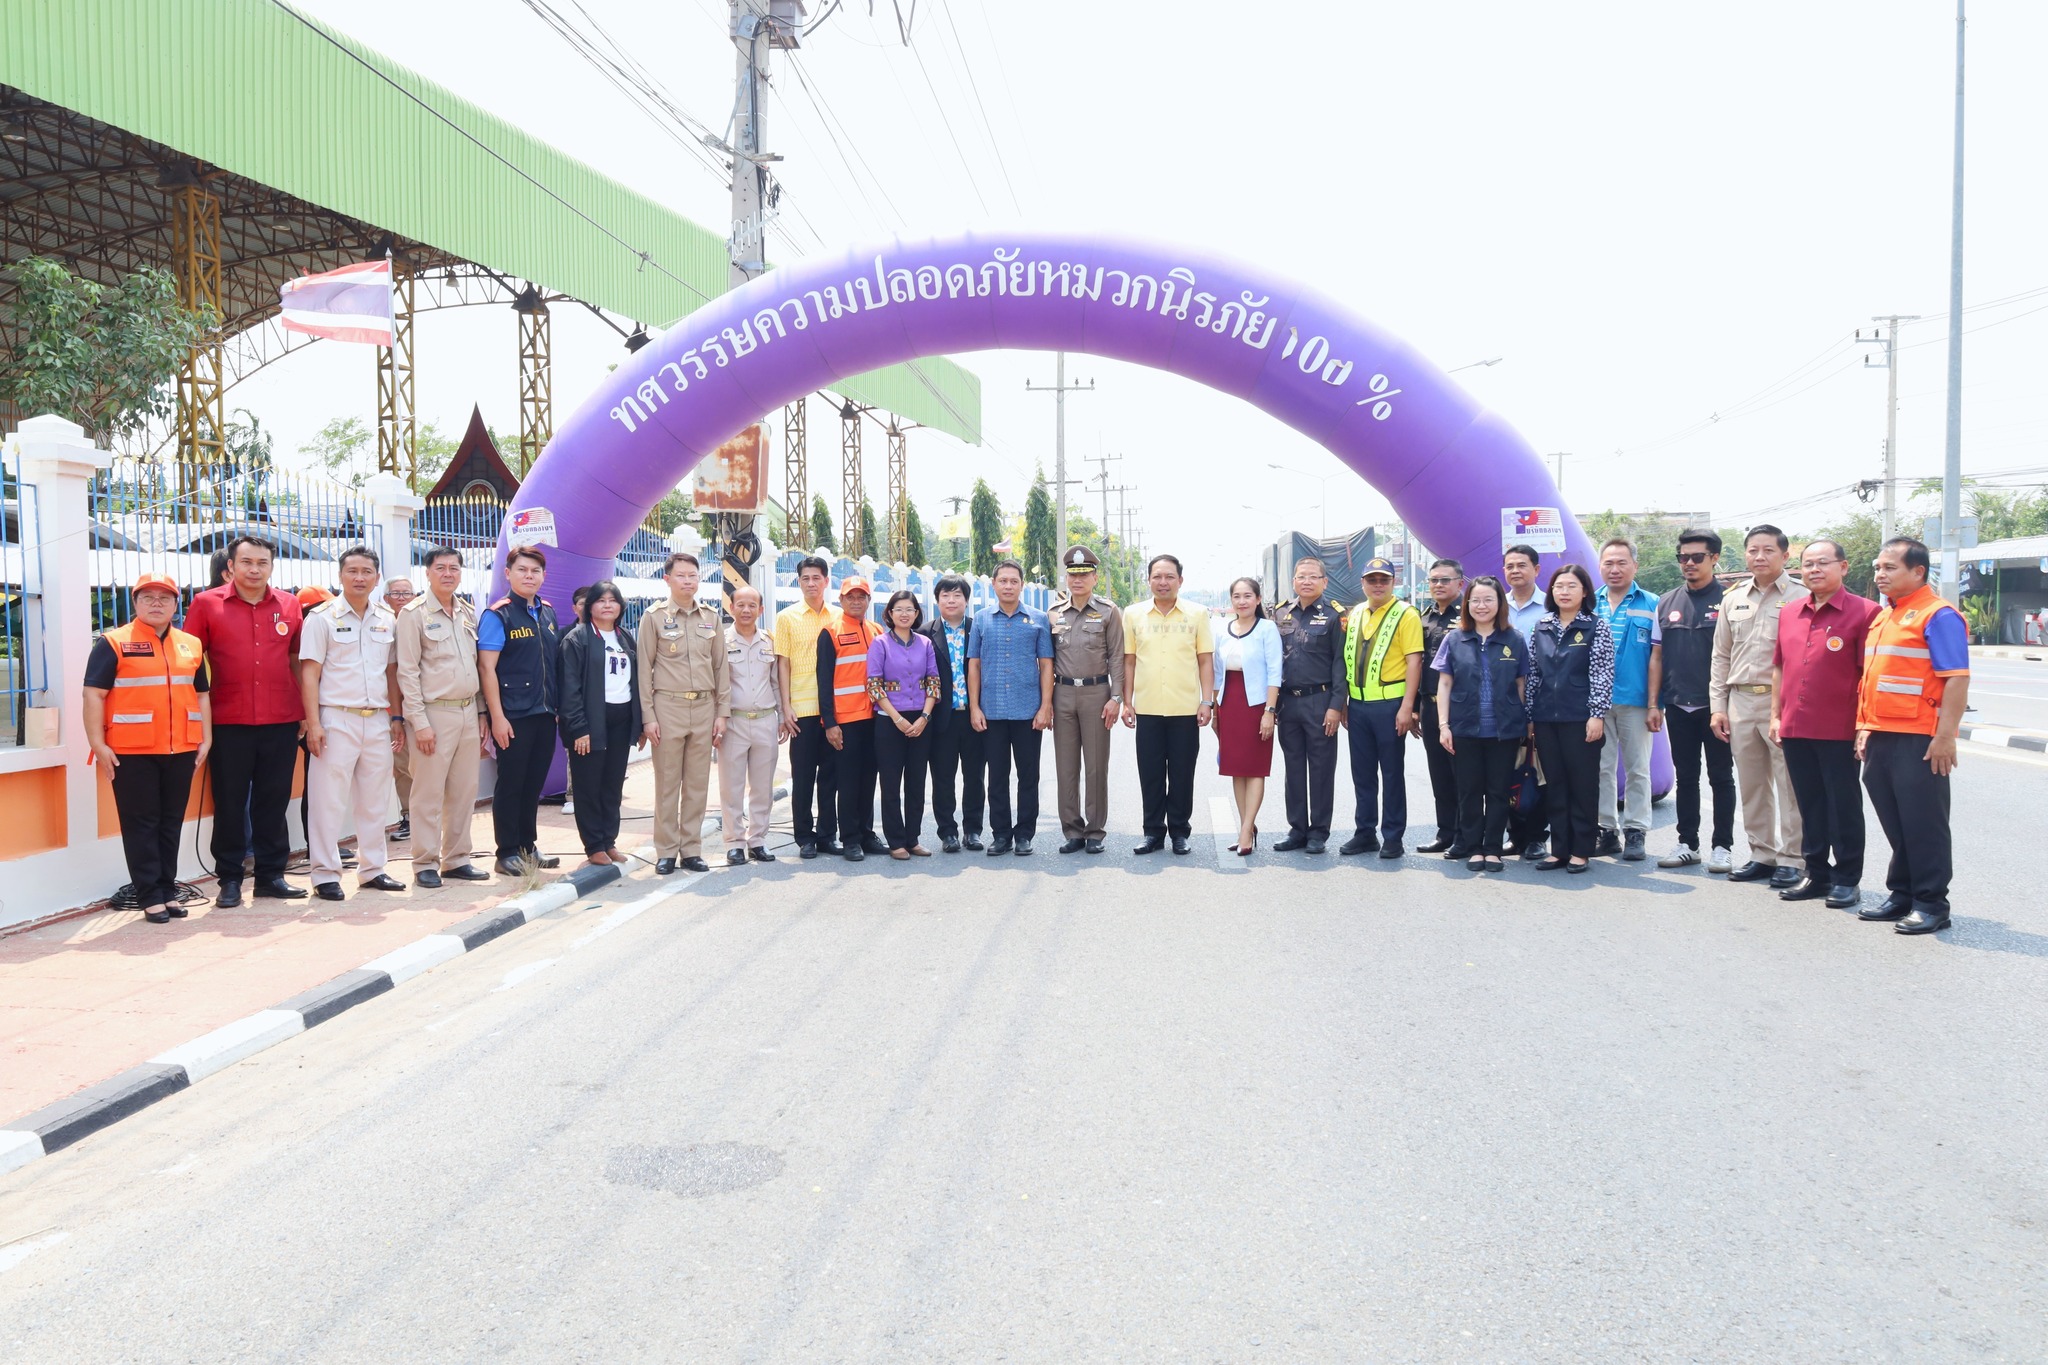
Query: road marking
635,908
1223,827
523,972
13,1256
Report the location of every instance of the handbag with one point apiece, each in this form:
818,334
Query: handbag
1525,790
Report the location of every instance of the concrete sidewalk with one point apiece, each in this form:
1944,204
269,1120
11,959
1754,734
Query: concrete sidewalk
85,999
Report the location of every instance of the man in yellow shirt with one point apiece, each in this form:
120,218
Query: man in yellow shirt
1169,659
812,769
1382,672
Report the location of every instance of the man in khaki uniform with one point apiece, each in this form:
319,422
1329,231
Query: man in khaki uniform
1087,694
686,694
398,592
345,658
444,726
753,734
1739,700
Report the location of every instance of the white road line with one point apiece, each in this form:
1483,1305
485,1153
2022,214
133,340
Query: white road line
524,971
13,1256
635,908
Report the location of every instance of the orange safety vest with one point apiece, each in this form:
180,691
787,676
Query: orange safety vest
1900,691
153,707
850,640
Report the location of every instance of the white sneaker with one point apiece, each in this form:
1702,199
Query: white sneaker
1679,857
568,808
1722,861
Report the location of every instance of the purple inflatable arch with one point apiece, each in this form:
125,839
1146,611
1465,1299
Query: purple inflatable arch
1447,465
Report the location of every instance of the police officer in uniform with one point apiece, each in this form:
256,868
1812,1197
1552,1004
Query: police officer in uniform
519,664
1087,667
444,729
1311,705
688,693
345,663
1441,617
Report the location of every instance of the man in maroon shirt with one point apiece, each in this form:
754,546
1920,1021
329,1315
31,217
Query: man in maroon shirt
251,634
1814,674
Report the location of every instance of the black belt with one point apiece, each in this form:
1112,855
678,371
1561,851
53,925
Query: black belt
1305,691
1096,681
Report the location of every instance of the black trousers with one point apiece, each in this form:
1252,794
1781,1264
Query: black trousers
1444,784
813,778
955,743
1571,784
151,792
1693,738
1823,773
1008,743
1485,768
902,761
1912,807
1167,747
599,779
522,771
1310,760
252,768
854,766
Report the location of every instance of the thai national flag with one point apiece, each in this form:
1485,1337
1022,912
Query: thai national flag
349,304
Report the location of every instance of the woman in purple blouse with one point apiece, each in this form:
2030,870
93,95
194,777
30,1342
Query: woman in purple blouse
903,680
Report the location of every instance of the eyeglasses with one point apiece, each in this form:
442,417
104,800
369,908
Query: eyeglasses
1696,557
1436,582
1816,565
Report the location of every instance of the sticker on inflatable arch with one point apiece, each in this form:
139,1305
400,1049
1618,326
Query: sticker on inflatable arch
1540,528
532,526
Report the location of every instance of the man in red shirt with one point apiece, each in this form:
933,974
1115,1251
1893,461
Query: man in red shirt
1814,675
251,634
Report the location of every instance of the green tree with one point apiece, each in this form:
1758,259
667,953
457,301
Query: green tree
677,506
1858,535
344,450
248,445
821,526
871,542
2003,514
101,355
1041,556
913,535
431,453
985,519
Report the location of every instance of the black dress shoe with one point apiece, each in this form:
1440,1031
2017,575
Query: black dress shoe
1925,919
1578,867
1180,845
1391,849
229,895
998,848
1785,878
1494,864
1359,843
759,854
949,843
972,842
468,872
1021,846
694,864
1317,845
510,867
278,889
176,911
1153,843
157,916
427,879
329,891
1553,864
1844,898
807,850
1609,845
1073,845
664,867
1535,850
1809,889
829,848
1095,845
1452,852
1440,845
1752,871
1897,905
1475,863
854,853
544,861
735,857
383,881
873,846
1293,843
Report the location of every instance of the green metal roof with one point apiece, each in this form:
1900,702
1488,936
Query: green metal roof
258,89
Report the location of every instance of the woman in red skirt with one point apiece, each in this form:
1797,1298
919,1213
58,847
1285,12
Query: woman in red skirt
1247,703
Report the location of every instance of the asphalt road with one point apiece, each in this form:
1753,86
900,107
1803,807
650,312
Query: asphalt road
2010,692
1115,1109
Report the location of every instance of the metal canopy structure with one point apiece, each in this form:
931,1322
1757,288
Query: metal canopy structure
242,143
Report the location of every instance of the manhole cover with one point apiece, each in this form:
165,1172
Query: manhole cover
695,1169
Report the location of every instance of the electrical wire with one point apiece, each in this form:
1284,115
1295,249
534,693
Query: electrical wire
955,137
975,86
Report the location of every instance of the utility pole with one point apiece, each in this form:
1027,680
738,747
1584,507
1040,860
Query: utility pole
1059,389
1104,461
1890,342
1560,456
1952,471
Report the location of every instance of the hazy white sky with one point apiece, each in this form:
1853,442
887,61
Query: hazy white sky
1652,212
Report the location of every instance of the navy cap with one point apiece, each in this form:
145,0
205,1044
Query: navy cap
1377,565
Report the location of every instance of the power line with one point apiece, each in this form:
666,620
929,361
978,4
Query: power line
975,86
941,107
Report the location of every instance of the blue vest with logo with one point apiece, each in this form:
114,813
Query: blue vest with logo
1629,622
529,667
1501,654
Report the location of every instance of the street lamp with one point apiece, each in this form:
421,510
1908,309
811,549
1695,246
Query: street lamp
1322,505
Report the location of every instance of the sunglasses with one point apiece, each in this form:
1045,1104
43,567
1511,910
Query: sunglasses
1694,557
1436,582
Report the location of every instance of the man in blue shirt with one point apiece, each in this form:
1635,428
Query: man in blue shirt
1527,830
1009,696
1630,612
956,744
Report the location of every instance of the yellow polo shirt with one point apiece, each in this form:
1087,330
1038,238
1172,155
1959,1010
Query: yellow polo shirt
1168,681
796,639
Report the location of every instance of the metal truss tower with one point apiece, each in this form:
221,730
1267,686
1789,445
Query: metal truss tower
850,482
536,376
195,248
796,500
397,451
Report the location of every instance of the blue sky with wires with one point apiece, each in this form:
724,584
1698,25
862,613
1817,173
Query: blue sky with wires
1668,221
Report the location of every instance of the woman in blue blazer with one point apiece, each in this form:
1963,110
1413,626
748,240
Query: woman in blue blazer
1247,703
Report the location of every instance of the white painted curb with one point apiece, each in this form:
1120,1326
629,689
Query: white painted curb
18,1149
230,1043
414,958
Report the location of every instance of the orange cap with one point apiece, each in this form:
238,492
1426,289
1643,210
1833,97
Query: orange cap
313,596
155,582
855,585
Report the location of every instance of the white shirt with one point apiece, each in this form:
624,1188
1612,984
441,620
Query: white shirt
618,670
